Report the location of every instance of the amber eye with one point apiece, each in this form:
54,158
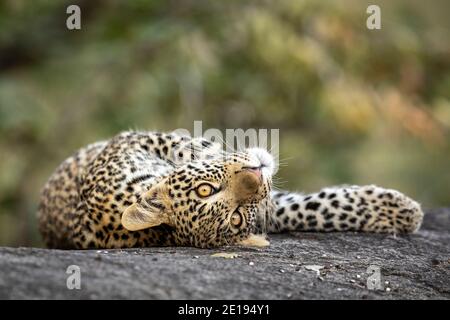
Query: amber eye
236,219
205,190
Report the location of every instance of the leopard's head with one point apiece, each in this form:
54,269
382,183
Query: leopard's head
208,202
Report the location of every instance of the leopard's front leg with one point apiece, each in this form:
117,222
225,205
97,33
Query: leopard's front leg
348,208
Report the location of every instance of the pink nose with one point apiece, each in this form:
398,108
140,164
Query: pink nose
256,171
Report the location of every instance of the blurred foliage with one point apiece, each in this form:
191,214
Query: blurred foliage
353,105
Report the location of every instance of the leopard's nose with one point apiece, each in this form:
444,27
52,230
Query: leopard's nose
255,170
248,182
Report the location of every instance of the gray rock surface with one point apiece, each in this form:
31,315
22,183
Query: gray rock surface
411,267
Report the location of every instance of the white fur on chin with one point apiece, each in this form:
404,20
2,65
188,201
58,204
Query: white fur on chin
255,240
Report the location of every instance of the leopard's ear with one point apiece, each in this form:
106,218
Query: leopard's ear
151,210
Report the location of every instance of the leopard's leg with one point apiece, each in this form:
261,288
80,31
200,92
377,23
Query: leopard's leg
171,147
346,208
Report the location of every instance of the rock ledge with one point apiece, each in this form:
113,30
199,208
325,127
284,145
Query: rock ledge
295,266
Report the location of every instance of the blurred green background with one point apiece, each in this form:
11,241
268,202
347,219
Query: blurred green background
353,105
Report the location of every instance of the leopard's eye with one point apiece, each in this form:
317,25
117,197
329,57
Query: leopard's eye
205,190
236,219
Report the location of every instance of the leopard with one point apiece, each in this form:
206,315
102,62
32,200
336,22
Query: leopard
150,188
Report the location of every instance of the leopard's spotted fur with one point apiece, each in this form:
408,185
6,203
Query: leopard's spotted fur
141,189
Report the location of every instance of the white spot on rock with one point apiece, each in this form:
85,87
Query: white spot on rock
315,268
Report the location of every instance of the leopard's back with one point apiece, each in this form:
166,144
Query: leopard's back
60,197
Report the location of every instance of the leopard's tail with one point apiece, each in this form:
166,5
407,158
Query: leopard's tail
346,208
